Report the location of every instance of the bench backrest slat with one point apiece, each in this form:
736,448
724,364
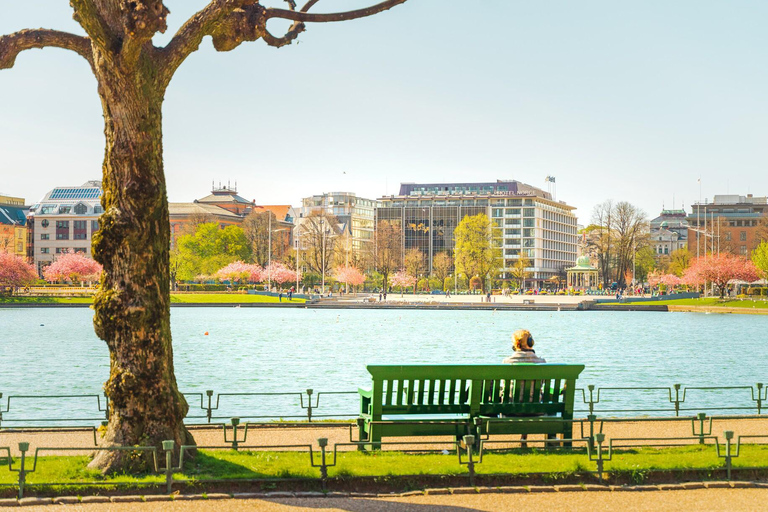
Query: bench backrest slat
473,389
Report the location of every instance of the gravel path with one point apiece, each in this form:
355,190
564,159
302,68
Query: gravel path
699,500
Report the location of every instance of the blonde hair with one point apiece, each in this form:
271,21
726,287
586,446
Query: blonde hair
520,339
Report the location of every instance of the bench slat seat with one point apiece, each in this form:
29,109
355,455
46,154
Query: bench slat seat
447,398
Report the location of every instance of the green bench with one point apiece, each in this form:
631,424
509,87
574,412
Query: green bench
416,400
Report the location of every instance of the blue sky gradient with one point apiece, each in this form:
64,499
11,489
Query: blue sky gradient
619,100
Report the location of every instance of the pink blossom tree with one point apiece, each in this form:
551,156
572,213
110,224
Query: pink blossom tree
720,269
238,271
73,267
15,272
402,279
277,272
350,276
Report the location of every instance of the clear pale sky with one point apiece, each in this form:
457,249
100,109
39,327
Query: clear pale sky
631,100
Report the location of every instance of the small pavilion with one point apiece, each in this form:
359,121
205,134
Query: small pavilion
583,275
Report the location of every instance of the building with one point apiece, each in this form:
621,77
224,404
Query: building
13,225
526,219
64,221
669,232
730,223
355,216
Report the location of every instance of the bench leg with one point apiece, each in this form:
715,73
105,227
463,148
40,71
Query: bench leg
568,434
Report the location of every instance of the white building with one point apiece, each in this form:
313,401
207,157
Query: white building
527,220
64,221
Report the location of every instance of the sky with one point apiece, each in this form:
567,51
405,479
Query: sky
629,101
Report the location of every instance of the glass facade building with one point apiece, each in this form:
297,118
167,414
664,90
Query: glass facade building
526,220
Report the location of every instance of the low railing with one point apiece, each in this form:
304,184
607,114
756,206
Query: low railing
310,405
596,448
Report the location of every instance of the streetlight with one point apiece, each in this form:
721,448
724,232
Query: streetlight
269,253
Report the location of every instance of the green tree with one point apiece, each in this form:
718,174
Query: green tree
679,260
208,249
132,73
519,270
645,263
441,265
476,252
760,259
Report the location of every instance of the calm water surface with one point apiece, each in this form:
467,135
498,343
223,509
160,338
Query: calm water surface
54,351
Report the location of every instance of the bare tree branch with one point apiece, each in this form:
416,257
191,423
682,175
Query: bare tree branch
88,15
13,44
188,38
292,33
142,19
330,17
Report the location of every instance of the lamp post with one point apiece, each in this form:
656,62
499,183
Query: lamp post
269,252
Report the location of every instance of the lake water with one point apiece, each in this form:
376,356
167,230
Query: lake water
47,351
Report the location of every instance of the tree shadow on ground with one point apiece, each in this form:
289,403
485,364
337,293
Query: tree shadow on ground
366,505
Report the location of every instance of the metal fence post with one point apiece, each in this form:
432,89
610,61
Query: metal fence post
168,446
469,443
600,438
323,442
235,422
677,399
759,397
702,416
209,393
23,448
309,405
591,418
591,388
728,438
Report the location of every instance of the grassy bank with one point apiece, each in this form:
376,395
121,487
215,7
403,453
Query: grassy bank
186,298
244,465
706,302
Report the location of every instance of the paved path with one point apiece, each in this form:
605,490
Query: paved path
270,435
668,501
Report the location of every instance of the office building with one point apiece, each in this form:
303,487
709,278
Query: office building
730,223
526,220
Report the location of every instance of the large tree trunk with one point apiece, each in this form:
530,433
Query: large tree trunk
133,304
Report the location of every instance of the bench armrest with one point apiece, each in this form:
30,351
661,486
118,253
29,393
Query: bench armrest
366,397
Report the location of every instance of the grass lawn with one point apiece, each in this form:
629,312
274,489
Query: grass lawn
260,464
204,298
227,298
708,302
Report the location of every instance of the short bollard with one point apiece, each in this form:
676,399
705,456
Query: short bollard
469,444
235,422
309,405
208,412
323,443
591,418
23,448
599,439
168,447
728,455
702,433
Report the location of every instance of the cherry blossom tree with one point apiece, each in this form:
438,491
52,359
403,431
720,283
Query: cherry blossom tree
667,280
15,272
238,271
350,276
720,269
402,279
132,308
73,267
278,273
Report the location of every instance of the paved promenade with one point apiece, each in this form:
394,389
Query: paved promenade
668,501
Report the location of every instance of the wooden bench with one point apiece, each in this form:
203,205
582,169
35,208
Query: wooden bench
445,400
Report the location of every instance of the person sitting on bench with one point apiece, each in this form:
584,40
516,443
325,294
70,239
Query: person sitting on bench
522,344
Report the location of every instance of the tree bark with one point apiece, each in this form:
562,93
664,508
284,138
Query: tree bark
133,304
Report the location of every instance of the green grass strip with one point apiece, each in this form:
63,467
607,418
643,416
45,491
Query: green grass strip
187,298
265,465
707,302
